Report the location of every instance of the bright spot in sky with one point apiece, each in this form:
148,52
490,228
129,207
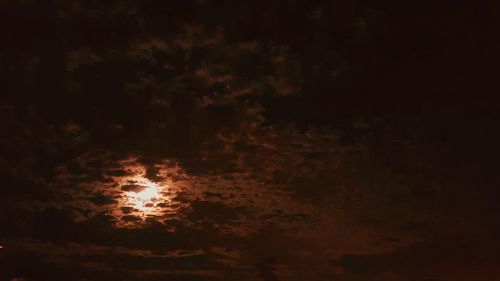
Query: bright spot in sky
144,199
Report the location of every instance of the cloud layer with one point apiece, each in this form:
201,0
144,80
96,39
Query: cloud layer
247,141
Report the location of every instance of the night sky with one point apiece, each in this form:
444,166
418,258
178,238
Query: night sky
257,140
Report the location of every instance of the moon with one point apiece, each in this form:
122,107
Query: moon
144,199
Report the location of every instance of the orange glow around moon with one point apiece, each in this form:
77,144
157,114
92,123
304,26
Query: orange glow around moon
144,199
141,200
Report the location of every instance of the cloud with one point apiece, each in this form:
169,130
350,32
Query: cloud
253,136
100,199
133,187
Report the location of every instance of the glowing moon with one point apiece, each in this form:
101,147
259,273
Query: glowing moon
144,199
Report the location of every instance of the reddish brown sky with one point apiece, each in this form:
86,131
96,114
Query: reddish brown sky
248,140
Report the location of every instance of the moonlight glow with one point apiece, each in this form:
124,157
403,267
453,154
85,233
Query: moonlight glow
144,200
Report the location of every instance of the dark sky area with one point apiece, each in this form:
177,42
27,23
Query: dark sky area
257,140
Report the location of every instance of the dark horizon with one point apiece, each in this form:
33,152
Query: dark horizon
249,140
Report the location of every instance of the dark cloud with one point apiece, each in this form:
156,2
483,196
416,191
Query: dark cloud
133,187
130,218
128,210
100,199
244,140
218,212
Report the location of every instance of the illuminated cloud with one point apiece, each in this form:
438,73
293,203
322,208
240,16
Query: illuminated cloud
194,140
